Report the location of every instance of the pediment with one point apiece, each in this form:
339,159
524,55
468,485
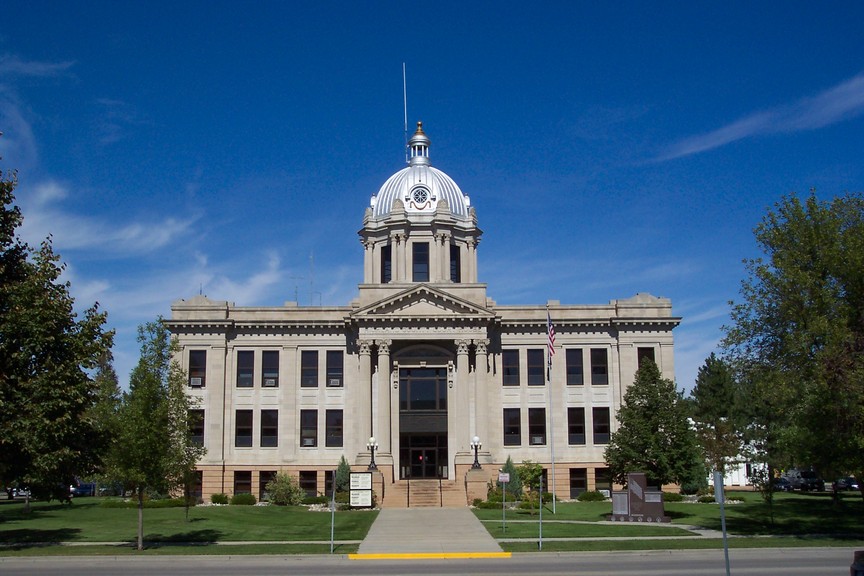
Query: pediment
422,301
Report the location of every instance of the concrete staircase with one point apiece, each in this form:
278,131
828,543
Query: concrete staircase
425,493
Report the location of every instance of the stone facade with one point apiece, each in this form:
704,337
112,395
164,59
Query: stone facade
422,360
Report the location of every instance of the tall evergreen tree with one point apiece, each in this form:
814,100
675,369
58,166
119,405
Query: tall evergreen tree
46,355
654,435
713,413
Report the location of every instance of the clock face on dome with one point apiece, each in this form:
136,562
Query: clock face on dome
420,196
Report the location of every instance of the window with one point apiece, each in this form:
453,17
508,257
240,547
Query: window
536,376
197,368
455,264
309,428
600,419
599,367
602,479
575,375
243,428
386,264
264,478
334,368
309,369
512,427
576,425
537,426
420,261
423,389
329,479
242,482
309,482
245,368
269,428
196,427
333,432
270,368
510,367
643,354
578,482
196,488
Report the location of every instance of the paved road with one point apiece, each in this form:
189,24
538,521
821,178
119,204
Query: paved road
748,562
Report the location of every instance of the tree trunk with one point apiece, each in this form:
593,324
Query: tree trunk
140,519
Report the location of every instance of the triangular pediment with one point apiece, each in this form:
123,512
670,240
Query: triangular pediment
422,301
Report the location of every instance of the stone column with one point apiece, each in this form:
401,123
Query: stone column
481,405
363,416
459,403
368,260
381,429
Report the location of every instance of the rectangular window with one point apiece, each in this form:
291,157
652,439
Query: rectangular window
599,366
575,374
512,427
386,264
510,367
600,420
576,426
333,432
536,375
420,261
308,428
537,426
643,354
197,368
578,482
309,369
264,478
196,490
242,482
455,264
329,479
335,368
270,368
196,427
245,368
269,428
309,482
602,479
243,428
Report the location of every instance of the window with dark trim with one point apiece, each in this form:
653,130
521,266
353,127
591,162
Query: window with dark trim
309,369
309,482
264,478
243,428
455,264
420,261
602,479
333,429
600,421
270,368
197,368
196,427
269,428
576,425
512,427
242,482
329,480
308,428
245,369
578,482
386,264
599,366
510,367
537,426
575,371
643,354
536,372
335,368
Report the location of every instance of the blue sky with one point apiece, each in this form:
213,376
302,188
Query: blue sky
609,148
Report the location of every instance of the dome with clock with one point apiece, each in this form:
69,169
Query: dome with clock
419,186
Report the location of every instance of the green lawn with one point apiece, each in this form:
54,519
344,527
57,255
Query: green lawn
86,521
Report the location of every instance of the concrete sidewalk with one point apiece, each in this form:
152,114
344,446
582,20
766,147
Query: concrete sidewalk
427,530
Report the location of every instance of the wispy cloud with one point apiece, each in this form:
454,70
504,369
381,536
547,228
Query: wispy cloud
117,117
842,102
12,65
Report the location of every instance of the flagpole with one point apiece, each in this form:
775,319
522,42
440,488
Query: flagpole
550,333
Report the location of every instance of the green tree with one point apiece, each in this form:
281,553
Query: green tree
285,490
798,332
713,401
46,354
654,434
530,474
152,448
514,486
343,476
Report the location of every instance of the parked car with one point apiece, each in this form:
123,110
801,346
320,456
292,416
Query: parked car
84,489
782,484
847,483
805,479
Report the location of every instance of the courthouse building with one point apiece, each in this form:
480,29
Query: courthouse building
422,360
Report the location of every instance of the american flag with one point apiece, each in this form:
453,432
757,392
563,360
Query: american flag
550,332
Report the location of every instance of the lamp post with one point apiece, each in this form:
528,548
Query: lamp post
475,444
371,446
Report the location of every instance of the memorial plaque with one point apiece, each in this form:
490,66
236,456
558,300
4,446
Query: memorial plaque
638,503
361,481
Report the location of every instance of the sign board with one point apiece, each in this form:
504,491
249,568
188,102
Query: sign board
361,481
361,498
503,477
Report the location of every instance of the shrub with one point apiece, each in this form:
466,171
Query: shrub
343,475
673,497
219,499
343,497
490,505
133,503
706,499
285,490
591,496
316,500
243,500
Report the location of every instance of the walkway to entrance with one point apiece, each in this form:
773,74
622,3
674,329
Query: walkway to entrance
428,530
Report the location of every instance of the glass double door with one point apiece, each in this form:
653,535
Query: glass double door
423,422
424,455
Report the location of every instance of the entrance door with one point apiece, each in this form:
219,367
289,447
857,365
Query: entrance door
424,463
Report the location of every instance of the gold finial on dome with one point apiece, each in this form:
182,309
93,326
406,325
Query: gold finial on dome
419,128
